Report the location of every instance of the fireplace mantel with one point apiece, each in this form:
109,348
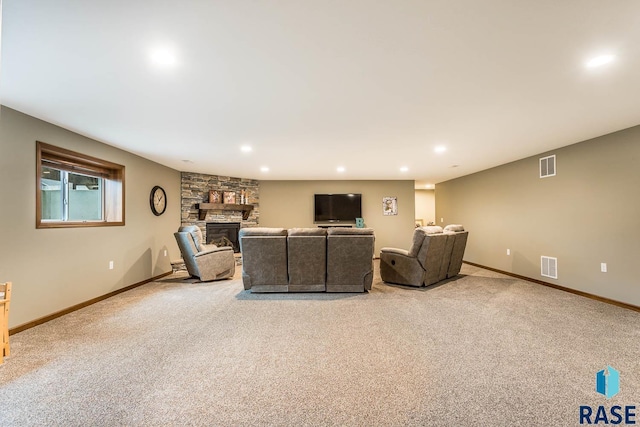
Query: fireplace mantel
204,207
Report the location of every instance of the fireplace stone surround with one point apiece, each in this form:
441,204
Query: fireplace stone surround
195,189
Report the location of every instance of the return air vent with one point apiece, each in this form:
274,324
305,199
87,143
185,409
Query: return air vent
547,166
549,267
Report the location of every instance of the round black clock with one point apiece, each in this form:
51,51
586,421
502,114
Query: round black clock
158,200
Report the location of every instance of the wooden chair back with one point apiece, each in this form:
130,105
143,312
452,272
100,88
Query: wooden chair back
5,299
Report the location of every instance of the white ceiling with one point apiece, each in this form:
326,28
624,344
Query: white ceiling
312,85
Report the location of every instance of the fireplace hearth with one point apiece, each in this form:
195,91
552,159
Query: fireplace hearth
221,233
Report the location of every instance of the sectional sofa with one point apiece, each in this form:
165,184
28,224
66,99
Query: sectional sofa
307,259
435,255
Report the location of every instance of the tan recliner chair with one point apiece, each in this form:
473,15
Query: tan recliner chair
420,265
207,262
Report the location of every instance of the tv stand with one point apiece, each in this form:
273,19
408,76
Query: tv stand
335,225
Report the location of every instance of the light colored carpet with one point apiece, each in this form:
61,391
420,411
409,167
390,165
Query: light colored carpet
484,349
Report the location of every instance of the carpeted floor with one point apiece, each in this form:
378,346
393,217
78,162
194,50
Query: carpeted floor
481,350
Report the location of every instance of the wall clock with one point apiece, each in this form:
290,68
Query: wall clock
158,200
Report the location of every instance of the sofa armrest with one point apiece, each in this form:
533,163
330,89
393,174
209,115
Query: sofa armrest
395,251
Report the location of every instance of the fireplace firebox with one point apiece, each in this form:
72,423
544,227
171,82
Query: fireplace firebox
223,233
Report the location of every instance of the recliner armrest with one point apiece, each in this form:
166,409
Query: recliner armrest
395,251
217,249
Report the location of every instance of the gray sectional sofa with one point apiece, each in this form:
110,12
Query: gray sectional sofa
435,255
307,259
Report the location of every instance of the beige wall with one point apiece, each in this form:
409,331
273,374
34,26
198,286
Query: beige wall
289,204
53,269
588,214
426,206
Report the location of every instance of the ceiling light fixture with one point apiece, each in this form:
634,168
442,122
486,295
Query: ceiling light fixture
163,57
246,149
340,169
428,186
599,61
404,169
440,149
264,169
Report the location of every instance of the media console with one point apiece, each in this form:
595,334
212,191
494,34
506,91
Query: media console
335,225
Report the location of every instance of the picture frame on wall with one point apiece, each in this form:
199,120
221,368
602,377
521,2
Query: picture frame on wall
229,197
215,196
390,206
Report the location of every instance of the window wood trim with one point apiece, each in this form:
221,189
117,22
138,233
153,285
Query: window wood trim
71,161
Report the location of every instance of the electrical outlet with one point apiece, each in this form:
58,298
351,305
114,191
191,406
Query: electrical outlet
603,267
508,251
110,265
165,252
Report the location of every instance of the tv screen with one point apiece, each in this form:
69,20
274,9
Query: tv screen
337,207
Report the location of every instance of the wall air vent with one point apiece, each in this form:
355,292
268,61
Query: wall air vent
549,267
547,166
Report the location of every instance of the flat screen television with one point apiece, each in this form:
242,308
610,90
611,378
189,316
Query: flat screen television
337,207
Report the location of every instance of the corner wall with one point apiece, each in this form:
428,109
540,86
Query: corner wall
54,269
589,213
426,206
289,204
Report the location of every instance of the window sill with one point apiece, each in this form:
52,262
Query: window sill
77,224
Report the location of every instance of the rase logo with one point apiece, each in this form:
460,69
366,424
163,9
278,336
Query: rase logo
608,384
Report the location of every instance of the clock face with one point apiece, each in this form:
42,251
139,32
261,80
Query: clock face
158,200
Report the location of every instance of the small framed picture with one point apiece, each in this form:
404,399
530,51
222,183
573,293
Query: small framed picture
390,206
215,196
229,197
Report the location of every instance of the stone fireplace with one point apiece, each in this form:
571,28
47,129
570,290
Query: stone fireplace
223,233
195,191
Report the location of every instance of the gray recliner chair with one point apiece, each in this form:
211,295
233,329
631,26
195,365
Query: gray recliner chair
349,259
207,262
420,265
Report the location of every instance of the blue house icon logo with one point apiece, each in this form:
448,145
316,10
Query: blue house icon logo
608,382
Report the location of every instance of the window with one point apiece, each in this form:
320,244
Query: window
75,190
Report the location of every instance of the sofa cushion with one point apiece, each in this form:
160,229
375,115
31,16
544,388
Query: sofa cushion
344,231
416,244
307,232
262,231
454,227
432,229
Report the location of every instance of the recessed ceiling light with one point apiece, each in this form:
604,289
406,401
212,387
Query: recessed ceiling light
188,161
404,169
246,149
440,149
599,61
163,56
428,186
340,169
264,169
